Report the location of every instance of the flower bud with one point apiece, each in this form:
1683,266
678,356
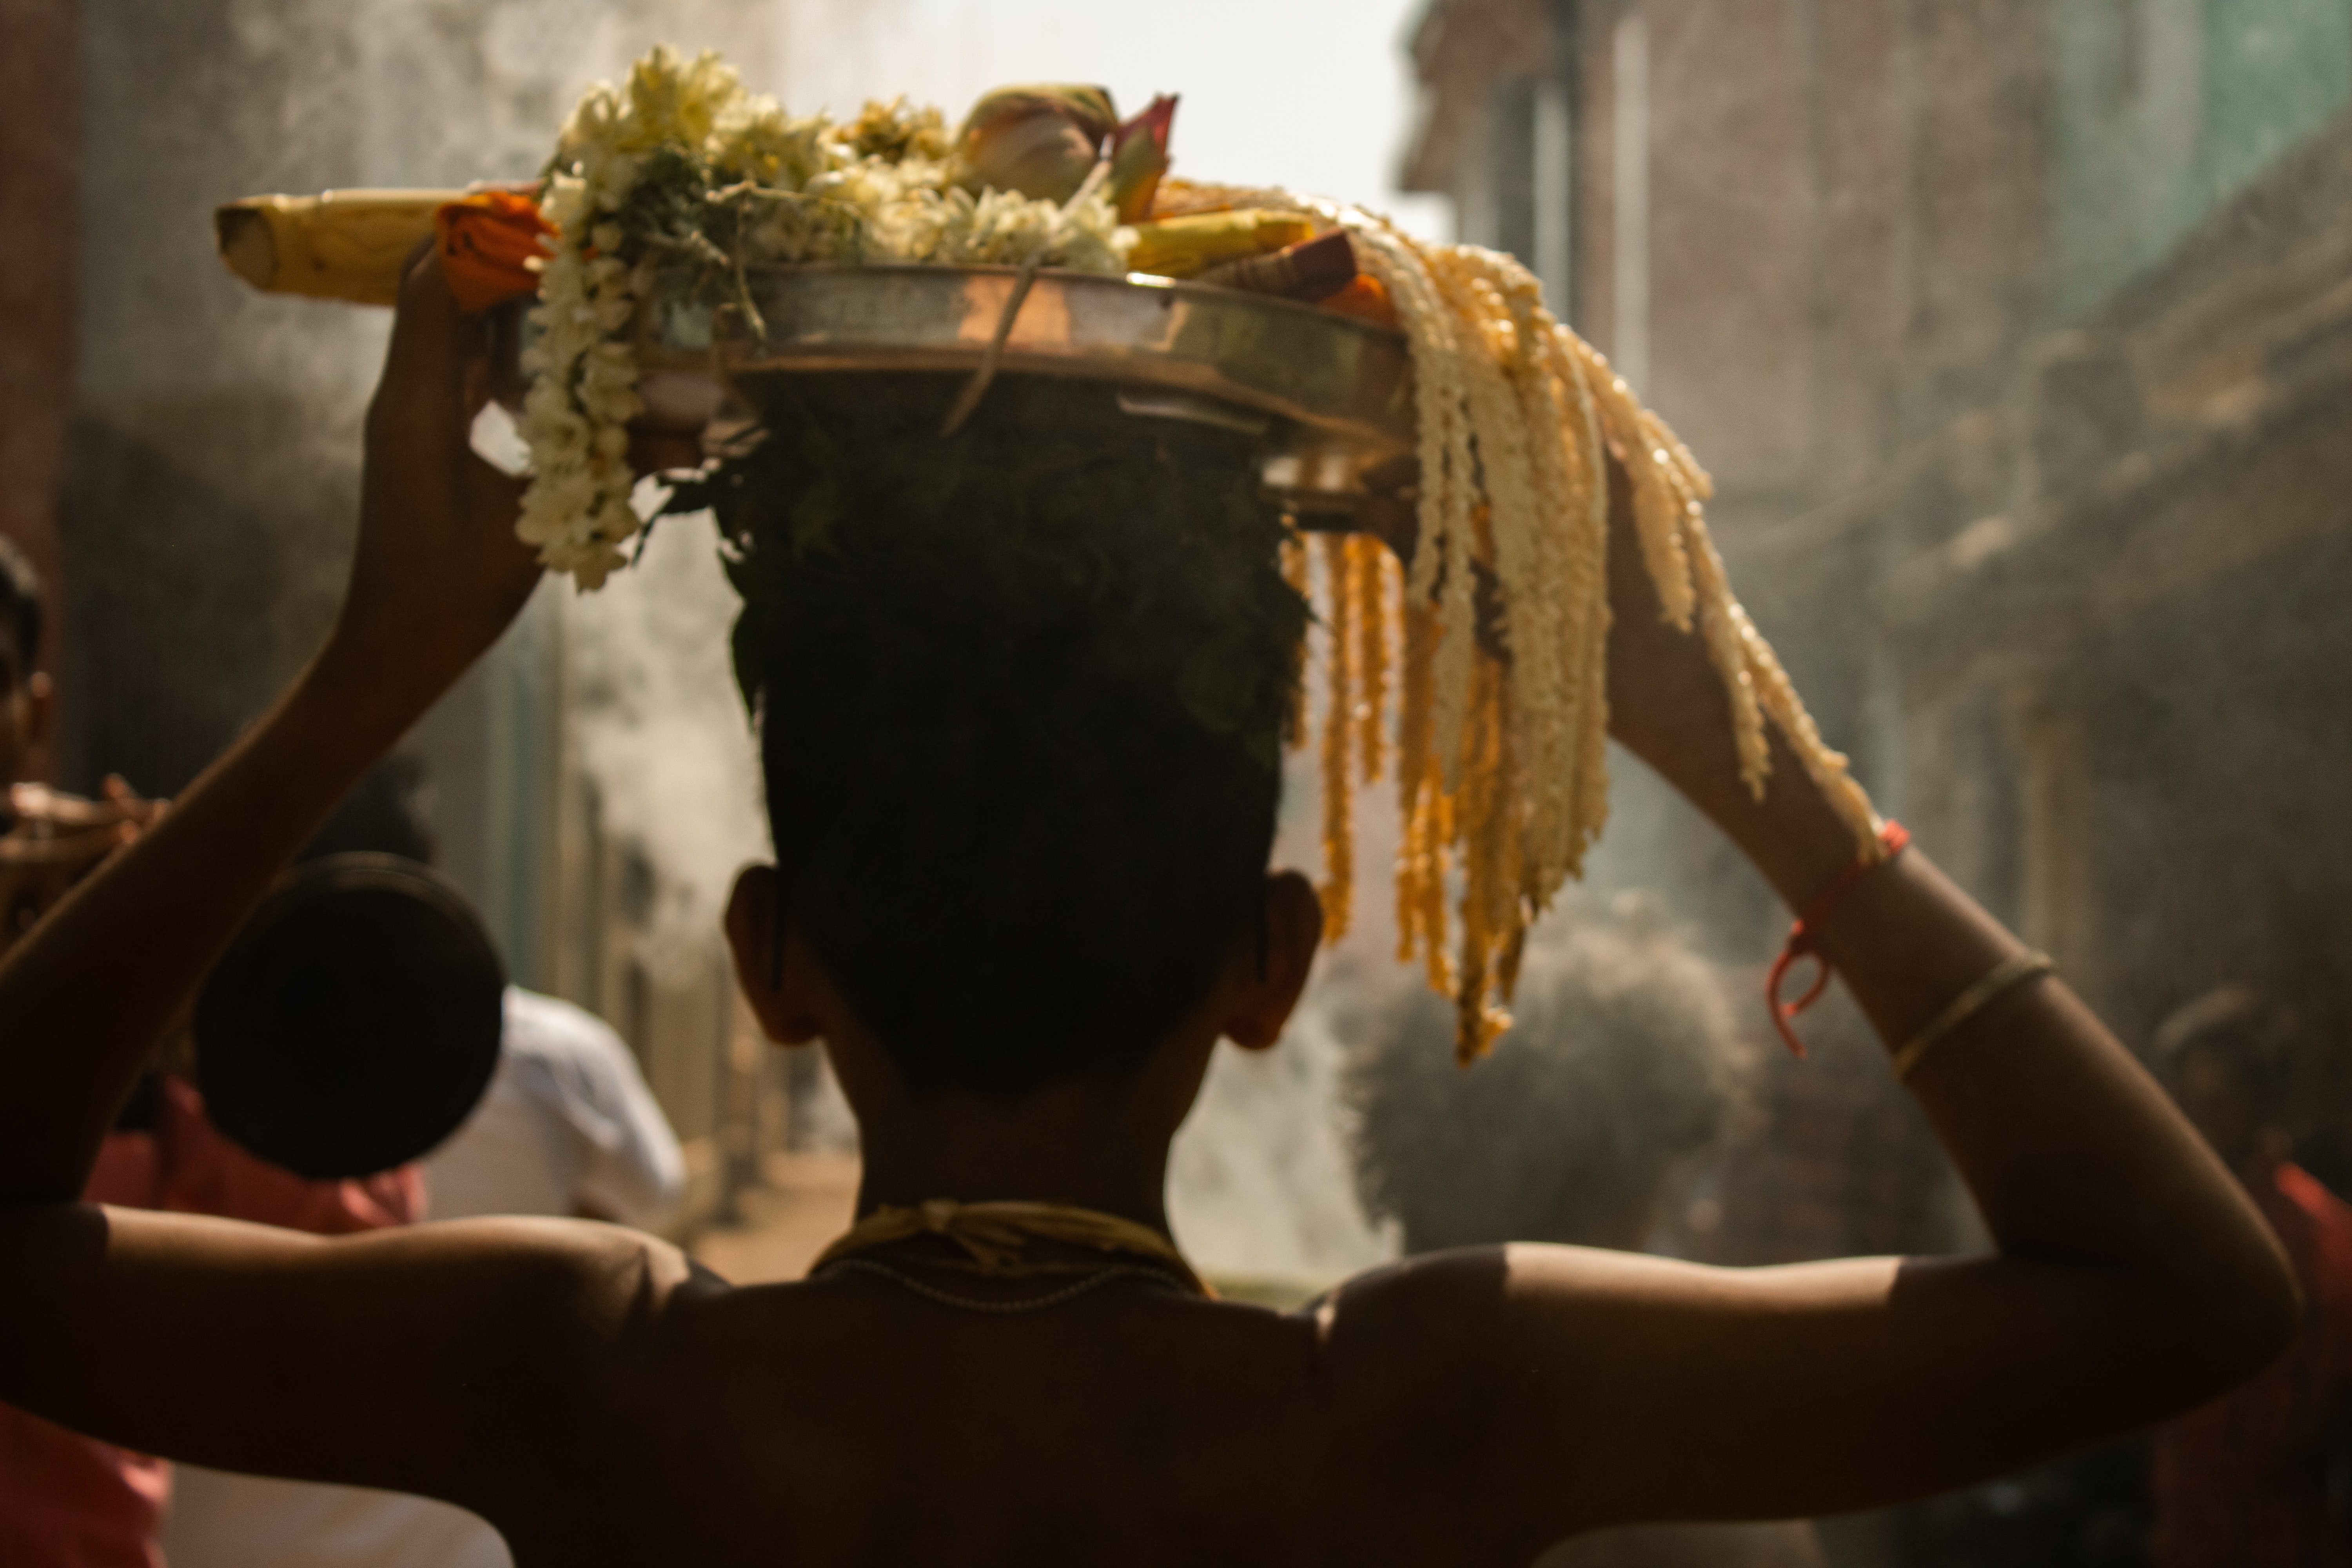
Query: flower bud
1041,141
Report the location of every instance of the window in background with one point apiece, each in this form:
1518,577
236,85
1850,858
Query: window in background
2163,109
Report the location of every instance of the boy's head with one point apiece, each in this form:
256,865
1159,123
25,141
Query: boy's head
24,698
1021,694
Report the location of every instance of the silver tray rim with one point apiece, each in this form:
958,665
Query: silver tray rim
1229,346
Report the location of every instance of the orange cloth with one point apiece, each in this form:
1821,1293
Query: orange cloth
1366,299
71,1502
204,1172
489,241
68,1500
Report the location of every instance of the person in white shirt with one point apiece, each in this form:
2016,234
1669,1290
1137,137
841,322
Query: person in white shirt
567,1127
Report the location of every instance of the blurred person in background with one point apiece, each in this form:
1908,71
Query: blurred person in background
2258,1478
49,839
567,1126
204,1172
29,702
1617,1075
219,1520
66,1501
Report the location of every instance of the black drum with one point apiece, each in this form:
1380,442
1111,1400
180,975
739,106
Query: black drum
354,1022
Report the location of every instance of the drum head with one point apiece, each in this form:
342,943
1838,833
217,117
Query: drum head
354,1022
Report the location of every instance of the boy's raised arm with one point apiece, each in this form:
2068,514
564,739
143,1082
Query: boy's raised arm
2130,1277
437,576
245,1346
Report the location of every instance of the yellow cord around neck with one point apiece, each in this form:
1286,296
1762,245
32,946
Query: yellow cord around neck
994,1234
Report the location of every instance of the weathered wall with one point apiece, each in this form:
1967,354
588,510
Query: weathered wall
2150,628
2060,591
40,114
211,488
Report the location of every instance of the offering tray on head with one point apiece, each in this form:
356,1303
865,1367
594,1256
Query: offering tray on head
1331,395
703,262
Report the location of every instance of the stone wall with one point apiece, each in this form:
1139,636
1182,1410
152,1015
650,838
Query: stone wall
40,83
213,478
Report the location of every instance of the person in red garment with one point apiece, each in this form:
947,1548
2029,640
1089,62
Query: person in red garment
68,1500
71,1501
2252,1480
63,1497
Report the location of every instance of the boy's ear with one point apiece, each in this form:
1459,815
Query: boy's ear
1271,969
771,965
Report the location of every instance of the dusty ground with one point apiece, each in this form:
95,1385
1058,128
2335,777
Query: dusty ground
807,1202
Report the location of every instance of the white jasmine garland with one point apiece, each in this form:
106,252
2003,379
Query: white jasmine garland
582,396
647,175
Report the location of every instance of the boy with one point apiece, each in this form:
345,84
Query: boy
1020,987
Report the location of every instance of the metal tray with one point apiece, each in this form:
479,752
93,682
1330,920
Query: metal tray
1331,396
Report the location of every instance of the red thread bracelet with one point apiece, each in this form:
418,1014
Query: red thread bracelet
1802,936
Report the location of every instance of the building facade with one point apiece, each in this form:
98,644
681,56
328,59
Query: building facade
2018,336
2012,331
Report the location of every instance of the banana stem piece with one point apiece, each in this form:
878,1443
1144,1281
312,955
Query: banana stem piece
345,245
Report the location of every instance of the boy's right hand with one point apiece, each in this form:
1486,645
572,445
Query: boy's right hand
1667,702
438,573
1668,706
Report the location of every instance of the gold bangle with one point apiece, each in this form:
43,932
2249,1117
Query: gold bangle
1965,1005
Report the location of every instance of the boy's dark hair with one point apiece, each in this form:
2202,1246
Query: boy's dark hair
20,613
1020,694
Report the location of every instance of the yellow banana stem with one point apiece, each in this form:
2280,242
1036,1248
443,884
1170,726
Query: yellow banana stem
345,245
1183,246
